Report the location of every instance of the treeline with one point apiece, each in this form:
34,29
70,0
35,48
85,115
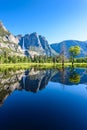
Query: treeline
46,59
36,59
74,51
81,60
14,59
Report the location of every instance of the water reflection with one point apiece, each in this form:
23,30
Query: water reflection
74,77
34,80
9,81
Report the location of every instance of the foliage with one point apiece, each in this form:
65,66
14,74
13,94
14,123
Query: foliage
74,50
6,58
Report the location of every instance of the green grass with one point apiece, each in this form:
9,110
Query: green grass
17,66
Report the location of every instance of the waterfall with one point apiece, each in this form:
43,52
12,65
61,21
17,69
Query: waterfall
23,45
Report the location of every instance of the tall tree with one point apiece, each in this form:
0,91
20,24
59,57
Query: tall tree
63,52
74,51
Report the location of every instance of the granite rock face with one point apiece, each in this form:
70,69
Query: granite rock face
29,44
2,26
9,42
36,44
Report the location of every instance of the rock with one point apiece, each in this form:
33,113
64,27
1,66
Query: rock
36,44
13,39
2,26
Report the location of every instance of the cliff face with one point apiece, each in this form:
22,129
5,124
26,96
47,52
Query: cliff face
36,45
29,44
6,36
8,42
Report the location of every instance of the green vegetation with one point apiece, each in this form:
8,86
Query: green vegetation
23,66
74,51
17,62
5,58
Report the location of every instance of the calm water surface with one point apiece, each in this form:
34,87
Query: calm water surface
43,99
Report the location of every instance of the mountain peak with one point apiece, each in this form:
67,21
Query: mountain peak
34,34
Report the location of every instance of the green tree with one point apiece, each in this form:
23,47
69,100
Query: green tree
74,51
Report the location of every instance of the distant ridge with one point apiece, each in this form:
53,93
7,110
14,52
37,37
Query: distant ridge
68,43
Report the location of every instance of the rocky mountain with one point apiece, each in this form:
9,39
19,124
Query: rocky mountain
67,44
29,44
6,36
8,42
35,44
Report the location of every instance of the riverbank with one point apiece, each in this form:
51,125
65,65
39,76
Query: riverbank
40,65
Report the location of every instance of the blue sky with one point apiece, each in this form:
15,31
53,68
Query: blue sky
57,20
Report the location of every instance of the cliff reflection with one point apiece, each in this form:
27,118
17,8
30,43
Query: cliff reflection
34,80
9,81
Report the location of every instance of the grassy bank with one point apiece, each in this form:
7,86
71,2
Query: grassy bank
40,65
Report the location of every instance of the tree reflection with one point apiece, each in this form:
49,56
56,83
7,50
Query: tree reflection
74,77
62,75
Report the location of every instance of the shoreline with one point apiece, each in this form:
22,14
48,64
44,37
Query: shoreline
41,65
